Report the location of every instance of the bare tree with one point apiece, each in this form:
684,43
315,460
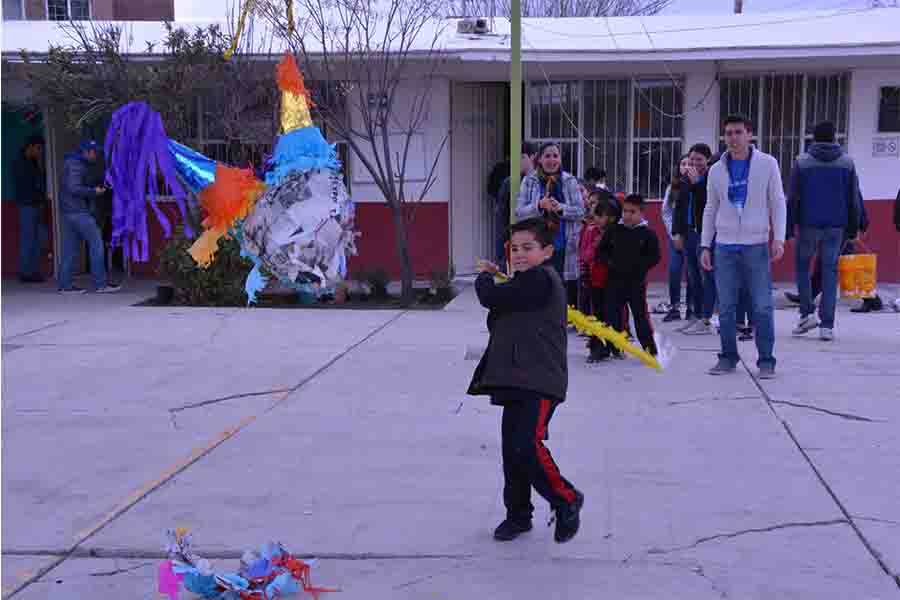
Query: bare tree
98,70
381,58
557,8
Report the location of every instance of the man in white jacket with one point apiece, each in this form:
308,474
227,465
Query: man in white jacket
745,206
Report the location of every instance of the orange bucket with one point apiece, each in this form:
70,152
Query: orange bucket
858,274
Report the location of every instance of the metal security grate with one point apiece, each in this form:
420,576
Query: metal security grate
629,128
785,108
63,10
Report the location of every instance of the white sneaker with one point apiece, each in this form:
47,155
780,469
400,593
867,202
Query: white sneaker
700,328
109,289
826,334
805,325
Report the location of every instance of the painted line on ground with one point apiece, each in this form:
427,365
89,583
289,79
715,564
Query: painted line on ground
29,577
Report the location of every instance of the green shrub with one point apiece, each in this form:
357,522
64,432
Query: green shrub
220,284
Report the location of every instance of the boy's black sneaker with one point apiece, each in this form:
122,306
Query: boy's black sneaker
568,519
672,315
510,529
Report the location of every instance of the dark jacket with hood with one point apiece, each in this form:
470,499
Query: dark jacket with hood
527,347
691,197
630,252
824,190
30,182
75,189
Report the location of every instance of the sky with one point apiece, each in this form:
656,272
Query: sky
216,9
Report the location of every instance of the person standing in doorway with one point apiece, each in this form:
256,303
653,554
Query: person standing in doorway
825,209
552,193
31,198
502,206
745,205
687,229
75,196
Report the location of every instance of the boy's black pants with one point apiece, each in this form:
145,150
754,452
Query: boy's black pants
527,462
633,294
599,348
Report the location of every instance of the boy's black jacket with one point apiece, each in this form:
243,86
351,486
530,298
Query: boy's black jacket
630,252
527,324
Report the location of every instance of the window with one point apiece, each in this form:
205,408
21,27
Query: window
253,143
13,10
657,136
554,118
628,128
889,110
785,109
63,10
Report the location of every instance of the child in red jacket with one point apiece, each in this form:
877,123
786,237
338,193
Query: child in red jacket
601,217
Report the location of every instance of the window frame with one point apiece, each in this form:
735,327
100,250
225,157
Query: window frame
582,140
764,110
22,14
878,128
90,10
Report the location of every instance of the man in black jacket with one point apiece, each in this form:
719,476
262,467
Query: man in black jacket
30,183
630,249
524,370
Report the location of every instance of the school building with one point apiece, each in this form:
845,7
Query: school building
627,94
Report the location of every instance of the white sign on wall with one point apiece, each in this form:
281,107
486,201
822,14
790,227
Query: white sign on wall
886,147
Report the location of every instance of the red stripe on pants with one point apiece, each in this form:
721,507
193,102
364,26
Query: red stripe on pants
545,460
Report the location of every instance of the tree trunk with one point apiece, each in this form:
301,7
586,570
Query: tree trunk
402,238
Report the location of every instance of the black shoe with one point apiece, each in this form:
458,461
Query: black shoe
792,297
568,519
509,530
746,334
672,315
869,305
596,357
31,279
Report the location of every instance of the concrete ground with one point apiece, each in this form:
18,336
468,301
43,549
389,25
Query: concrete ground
348,436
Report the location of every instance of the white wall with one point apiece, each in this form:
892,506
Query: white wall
879,177
701,120
424,150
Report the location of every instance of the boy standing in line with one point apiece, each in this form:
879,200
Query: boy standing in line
630,249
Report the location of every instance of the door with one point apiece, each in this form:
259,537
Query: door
479,137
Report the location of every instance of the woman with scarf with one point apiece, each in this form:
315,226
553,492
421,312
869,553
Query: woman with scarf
552,193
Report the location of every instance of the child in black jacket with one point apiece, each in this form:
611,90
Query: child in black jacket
630,249
524,370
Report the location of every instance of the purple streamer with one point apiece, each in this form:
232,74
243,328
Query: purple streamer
137,152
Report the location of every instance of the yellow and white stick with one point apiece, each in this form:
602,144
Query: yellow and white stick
597,329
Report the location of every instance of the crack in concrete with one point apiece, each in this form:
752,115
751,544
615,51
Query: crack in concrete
202,403
833,413
120,571
734,534
699,571
875,554
710,399
147,554
38,330
876,520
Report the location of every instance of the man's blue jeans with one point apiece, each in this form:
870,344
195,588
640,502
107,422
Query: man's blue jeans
748,266
695,277
77,227
829,241
33,238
